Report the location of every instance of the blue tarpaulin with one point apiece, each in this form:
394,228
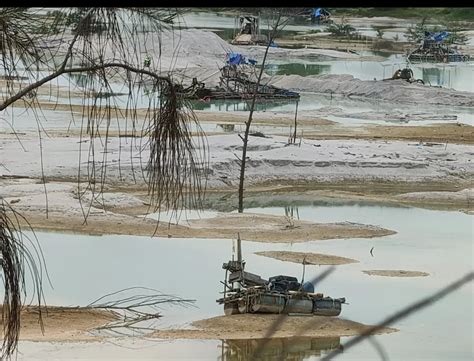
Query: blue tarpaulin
237,59
234,58
318,12
438,37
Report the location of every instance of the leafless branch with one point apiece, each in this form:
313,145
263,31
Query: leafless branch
135,308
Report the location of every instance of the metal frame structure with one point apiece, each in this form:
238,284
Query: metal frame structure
245,292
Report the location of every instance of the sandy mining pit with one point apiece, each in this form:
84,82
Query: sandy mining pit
249,326
396,273
308,258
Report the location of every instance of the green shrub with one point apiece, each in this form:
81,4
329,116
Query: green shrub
342,30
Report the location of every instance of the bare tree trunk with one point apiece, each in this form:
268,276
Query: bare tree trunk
248,123
296,123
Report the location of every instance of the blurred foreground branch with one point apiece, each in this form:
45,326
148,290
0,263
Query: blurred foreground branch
405,312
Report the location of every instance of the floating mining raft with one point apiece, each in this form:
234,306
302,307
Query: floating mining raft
235,84
434,49
245,292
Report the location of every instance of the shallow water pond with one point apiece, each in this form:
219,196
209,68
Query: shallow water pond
325,103
331,108
83,268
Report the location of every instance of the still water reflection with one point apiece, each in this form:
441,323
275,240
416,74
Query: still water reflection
291,349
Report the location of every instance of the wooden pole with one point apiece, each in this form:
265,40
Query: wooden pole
225,283
239,248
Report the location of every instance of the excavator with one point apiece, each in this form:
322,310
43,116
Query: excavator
405,74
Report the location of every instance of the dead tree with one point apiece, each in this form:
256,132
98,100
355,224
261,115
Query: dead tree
248,123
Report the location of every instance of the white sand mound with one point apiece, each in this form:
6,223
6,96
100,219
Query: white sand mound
184,48
393,90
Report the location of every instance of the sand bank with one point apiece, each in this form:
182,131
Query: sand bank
62,323
250,326
396,273
308,258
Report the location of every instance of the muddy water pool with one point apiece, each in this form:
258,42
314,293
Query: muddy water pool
440,243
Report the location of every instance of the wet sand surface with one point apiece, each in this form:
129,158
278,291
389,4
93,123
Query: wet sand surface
62,323
259,228
396,273
250,326
306,258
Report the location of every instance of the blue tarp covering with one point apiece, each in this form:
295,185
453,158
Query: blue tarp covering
318,12
234,58
237,59
438,37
